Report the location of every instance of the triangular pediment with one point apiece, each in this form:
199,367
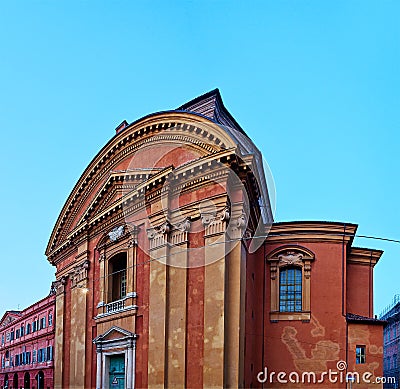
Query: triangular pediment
114,333
118,184
9,317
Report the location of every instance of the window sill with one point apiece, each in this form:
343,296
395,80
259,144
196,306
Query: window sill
278,316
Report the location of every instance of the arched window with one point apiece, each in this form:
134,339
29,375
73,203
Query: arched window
40,380
290,289
117,277
15,380
27,381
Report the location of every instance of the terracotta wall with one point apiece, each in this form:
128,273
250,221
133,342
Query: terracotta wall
359,289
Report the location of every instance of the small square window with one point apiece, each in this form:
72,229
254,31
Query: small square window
360,354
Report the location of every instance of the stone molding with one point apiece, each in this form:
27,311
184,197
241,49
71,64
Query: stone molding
201,134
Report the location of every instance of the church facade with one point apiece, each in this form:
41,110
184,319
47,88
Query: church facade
172,273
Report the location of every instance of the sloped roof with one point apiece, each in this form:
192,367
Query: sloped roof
353,318
210,104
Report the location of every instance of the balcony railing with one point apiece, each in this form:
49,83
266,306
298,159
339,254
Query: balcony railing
115,306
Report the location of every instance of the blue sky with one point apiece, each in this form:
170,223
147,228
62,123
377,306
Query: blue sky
316,85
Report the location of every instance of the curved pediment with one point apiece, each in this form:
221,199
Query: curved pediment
139,151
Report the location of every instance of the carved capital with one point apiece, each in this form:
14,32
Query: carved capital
183,226
59,286
207,218
134,236
238,225
158,236
215,222
79,273
179,233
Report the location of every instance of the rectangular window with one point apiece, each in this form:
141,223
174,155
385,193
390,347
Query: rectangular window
50,319
12,335
123,284
34,326
290,290
34,356
360,354
17,334
28,329
49,353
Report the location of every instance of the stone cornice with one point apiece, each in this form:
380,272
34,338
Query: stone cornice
185,178
364,256
169,126
311,232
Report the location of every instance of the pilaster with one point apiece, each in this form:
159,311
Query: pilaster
176,304
214,300
59,287
158,238
235,299
78,323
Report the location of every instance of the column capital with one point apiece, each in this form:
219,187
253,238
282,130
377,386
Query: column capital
215,222
158,236
179,233
59,286
79,273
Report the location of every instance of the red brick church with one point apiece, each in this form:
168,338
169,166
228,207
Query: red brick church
171,271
